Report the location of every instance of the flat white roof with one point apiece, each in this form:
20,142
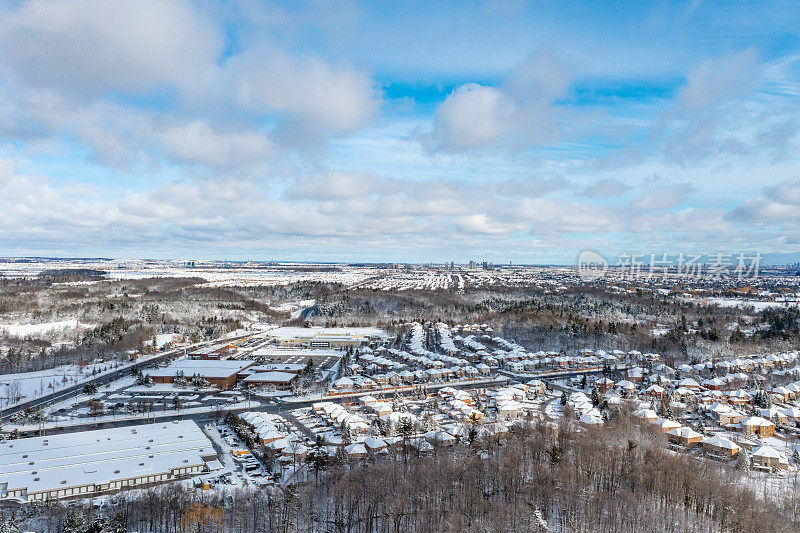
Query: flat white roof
288,333
270,377
277,351
206,368
98,457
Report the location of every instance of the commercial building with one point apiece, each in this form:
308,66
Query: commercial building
89,463
221,374
327,337
280,380
209,352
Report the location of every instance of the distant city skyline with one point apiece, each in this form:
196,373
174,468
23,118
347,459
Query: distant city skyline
384,132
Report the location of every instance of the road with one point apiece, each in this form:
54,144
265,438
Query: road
203,418
75,390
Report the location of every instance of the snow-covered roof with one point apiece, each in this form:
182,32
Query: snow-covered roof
100,456
212,368
270,377
718,441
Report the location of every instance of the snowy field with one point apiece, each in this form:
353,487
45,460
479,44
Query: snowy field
757,305
294,308
215,274
61,326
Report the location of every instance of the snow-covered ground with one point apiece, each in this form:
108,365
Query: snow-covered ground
215,274
27,385
758,305
167,338
155,415
23,330
294,308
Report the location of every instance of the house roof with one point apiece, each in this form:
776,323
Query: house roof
684,432
718,441
766,451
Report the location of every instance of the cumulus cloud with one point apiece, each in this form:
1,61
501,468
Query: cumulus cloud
96,45
169,60
313,96
519,111
198,142
777,205
473,116
126,137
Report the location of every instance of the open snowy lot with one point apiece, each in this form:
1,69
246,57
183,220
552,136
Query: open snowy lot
26,385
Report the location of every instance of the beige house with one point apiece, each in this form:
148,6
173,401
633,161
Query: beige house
768,457
685,436
720,446
755,425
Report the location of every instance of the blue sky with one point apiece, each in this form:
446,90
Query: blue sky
405,131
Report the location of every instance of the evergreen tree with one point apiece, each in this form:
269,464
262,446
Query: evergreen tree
472,434
564,398
318,456
744,460
75,522
9,525
116,525
762,399
346,437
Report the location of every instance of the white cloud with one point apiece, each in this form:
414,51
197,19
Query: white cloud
519,111
314,97
198,142
719,79
473,116
605,188
97,45
778,205
339,184
164,61
125,137
661,197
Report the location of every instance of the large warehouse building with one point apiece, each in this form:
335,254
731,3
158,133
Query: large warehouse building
89,463
327,337
221,374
